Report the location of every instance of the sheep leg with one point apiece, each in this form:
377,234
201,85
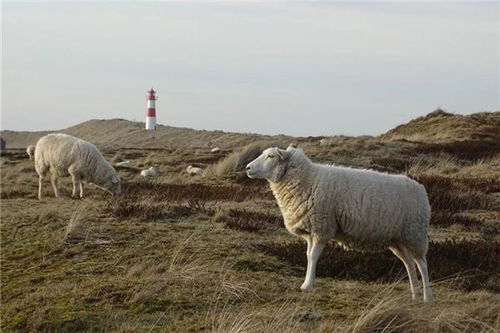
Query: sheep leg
53,180
40,181
73,178
308,256
403,255
422,267
309,245
81,189
315,250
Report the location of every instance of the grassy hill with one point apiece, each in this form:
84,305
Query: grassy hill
440,126
122,133
211,254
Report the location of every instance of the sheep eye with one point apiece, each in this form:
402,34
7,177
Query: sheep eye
270,156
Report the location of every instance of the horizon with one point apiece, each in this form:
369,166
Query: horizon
298,69
229,131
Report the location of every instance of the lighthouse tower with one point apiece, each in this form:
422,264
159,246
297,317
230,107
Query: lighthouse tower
151,113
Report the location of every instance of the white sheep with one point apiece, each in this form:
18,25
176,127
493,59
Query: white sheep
151,172
30,151
359,209
215,150
63,154
194,171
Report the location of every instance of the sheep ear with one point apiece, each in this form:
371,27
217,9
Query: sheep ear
292,146
282,154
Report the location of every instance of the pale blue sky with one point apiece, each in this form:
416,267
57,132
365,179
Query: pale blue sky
298,68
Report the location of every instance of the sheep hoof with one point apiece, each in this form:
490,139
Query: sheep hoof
429,300
306,287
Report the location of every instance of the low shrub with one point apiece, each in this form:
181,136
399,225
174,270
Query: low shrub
146,209
478,262
13,193
390,164
195,191
251,221
465,150
446,219
451,195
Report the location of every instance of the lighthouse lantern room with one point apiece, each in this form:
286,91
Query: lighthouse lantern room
151,111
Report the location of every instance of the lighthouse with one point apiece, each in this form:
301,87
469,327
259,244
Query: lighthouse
151,112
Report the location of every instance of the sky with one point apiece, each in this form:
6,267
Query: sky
302,68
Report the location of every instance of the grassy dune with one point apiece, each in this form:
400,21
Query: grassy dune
186,254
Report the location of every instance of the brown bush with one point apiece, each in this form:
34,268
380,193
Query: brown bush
390,164
186,192
13,193
446,219
485,185
145,209
251,221
477,261
451,195
466,150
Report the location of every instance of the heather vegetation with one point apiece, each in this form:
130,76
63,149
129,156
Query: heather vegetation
186,254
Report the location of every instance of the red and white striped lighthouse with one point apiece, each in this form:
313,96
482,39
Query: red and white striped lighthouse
151,114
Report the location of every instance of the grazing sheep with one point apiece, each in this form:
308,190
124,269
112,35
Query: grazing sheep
63,154
193,171
359,209
125,164
30,151
215,150
151,172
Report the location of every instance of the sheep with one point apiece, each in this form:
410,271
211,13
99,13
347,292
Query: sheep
63,154
30,151
151,172
193,171
215,150
359,209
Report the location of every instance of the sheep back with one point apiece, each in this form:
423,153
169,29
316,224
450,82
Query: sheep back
59,152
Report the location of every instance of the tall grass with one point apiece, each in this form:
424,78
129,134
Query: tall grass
237,161
284,318
75,230
393,312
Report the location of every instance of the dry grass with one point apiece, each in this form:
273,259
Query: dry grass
283,318
75,230
154,276
443,127
393,313
475,172
237,161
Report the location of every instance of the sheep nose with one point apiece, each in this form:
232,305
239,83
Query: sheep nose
248,167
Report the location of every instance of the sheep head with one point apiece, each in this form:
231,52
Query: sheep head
111,184
270,165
